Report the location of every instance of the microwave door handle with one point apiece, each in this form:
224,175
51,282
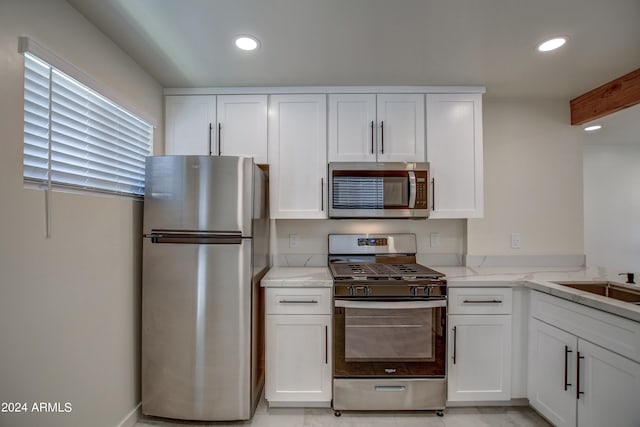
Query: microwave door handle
412,190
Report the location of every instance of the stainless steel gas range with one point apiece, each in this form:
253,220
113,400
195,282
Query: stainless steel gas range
389,325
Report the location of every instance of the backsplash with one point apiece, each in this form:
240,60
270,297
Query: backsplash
309,246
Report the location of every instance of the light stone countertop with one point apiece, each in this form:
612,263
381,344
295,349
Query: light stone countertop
542,278
536,278
311,277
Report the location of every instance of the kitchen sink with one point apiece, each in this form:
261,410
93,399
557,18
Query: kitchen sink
606,289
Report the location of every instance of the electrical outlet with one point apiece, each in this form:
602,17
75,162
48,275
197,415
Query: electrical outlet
435,240
515,240
293,240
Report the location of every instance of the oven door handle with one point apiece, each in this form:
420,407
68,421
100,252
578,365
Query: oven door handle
390,305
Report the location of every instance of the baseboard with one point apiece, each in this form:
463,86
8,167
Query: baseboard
132,417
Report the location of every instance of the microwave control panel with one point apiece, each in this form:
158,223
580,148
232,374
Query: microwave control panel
421,189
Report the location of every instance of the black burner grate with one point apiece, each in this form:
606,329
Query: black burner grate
381,271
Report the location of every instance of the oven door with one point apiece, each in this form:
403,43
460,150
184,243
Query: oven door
389,338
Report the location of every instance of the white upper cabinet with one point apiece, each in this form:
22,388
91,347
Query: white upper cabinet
189,124
298,156
228,125
352,128
383,127
454,152
242,126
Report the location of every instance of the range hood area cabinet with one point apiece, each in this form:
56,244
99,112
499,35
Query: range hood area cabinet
444,129
455,155
376,128
223,125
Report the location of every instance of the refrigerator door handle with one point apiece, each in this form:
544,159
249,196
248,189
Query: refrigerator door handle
195,237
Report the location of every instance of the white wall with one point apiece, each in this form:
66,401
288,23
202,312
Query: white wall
69,305
612,205
532,180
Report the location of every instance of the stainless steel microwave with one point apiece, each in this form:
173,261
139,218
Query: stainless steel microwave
378,190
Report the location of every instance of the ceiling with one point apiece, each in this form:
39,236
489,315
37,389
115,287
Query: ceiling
189,43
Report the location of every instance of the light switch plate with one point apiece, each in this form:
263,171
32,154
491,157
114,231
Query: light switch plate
515,240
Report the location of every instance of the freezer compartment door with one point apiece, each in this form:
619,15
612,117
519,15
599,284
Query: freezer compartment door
199,193
196,331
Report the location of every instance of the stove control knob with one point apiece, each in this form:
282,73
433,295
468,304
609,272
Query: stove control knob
413,290
352,291
428,290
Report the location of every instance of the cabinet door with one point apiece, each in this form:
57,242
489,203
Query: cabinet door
611,388
298,358
188,124
298,156
479,363
400,128
242,126
352,124
454,151
552,356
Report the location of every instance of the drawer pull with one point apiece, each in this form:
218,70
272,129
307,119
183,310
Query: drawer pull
482,301
301,301
390,388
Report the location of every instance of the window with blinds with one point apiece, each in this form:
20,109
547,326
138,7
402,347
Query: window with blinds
77,138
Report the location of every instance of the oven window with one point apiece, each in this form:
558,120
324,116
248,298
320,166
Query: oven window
389,334
396,191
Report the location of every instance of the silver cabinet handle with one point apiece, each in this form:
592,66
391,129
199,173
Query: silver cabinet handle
382,137
219,139
482,301
301,301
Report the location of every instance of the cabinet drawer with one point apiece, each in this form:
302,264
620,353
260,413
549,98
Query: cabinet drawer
298,301
480,300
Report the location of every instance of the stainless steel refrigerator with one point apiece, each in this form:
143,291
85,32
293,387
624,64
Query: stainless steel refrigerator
205,250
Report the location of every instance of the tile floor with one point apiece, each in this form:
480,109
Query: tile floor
512,416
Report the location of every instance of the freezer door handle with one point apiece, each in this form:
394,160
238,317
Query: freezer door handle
195,237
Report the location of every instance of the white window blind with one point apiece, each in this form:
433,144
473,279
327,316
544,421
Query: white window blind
77,138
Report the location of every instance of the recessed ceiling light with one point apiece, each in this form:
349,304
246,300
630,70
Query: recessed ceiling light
247,43
592,128
552,44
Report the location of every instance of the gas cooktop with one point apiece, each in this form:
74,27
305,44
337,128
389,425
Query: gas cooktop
380,271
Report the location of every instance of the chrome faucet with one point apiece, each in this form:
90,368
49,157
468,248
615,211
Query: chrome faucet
630,277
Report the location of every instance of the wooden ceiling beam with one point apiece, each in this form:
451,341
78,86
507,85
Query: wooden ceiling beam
616,95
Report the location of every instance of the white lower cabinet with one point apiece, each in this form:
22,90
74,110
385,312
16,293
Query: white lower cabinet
479,344
479,358
298,347
551,368
575,382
